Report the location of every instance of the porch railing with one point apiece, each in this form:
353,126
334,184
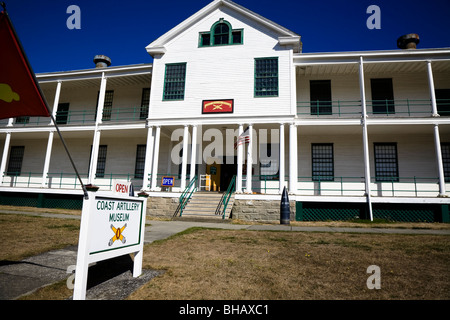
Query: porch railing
186,196
226,198
86,116
352,108
306,185
64,180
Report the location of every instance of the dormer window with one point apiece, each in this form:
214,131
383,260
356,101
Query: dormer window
221,34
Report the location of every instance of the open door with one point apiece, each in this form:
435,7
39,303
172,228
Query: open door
214,171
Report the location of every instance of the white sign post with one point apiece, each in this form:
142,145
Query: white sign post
111,226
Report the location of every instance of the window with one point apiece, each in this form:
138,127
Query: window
23,119
386,165
140,161
62,113
445,150
174,81
15,161
443,101
382,96
145,103
266,77
320,96
107,105
322,162
221,33
101,161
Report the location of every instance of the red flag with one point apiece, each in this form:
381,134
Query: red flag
20,94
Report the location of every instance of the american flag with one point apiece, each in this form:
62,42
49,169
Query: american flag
243,138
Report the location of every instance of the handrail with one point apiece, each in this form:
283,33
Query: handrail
186,196
226,198
352,108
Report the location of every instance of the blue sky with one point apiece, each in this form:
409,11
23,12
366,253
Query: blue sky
122,29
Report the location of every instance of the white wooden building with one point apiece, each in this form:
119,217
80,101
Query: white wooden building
347,133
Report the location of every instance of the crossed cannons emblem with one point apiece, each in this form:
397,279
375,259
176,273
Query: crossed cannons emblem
117,235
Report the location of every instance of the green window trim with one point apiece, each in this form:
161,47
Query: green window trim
266,77
174,82
221,34
322,160
386,162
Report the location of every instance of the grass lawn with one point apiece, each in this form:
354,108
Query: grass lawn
225,264
229,264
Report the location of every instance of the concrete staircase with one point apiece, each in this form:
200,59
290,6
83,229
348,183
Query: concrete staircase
202,205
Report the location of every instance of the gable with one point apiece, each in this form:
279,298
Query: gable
283,36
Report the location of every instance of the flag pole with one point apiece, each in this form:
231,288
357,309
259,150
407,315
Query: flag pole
45,101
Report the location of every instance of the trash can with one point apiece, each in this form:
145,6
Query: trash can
285,210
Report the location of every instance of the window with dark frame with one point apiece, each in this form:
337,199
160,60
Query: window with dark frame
15,161
62,113
140,161
101,161
23,119
322,162
382,96
221,34
445,150
266,77
443,101
386,162
174,81
145,102
320,96
107,105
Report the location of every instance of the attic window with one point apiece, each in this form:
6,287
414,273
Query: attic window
220,34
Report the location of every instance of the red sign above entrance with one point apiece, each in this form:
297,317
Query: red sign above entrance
218,106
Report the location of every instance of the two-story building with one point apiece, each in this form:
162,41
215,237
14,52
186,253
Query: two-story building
231,106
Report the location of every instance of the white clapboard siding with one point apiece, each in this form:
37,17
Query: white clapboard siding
221,72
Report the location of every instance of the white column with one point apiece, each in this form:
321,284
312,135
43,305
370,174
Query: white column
282,158
239,162
193,150
437,144
94,156
48,155
248,184
432,91
56,101
365,136
155,158
5,156
148,159
185,156
293,160
101,99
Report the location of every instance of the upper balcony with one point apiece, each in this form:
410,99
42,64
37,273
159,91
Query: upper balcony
73,97
375,108
394,84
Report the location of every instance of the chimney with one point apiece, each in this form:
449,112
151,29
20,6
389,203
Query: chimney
102,61
408,41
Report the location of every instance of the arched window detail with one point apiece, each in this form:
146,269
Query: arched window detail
221,34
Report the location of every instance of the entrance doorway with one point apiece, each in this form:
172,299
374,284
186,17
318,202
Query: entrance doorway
222,173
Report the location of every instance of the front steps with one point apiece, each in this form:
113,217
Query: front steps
203,205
